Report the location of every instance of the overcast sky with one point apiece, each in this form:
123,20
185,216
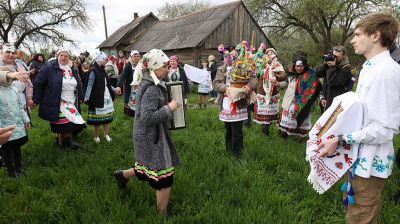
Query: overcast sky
118,13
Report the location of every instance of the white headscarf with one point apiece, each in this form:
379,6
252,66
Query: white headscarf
152,60
100,56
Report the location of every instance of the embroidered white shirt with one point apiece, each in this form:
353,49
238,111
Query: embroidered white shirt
379,91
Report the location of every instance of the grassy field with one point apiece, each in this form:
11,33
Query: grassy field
268,185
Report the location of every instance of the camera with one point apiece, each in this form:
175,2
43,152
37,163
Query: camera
329,57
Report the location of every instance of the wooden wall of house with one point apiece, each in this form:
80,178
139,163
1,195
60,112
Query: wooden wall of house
194,56
237,27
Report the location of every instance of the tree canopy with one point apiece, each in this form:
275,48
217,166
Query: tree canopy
319,19
40,21
173,10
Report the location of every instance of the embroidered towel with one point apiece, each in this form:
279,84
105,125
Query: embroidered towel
327,171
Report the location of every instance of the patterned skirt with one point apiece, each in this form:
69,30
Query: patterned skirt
65,125
158,179
287,123
231,112
104,115
266,112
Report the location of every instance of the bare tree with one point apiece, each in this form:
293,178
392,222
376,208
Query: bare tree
173,10
317,18
39,21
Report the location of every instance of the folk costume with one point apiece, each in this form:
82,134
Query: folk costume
377,91
57,90
178,74
124,82
99,94
155,153
301,93
266,108
233,98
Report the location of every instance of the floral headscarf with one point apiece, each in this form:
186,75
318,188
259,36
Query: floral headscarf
152,60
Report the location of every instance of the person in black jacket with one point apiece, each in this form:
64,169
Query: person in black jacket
337,75
124,82
58,91
36,65
99,96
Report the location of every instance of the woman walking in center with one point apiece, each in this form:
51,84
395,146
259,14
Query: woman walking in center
99,96
155,153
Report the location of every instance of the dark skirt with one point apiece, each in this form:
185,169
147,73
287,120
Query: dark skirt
94,119
16,142
63,125
128,111
158,179
67,127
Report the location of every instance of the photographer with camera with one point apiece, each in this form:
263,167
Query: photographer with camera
336,72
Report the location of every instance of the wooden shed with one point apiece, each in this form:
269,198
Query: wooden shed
195,36
127,34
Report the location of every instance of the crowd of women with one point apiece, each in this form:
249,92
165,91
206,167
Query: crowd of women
247,80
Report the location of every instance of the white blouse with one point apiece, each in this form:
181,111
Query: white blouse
379,91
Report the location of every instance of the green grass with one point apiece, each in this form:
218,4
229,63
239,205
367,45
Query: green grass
267,186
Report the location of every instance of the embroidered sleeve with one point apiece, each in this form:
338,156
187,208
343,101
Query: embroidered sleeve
374,133
382,103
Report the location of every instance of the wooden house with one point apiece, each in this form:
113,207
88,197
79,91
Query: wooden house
192,37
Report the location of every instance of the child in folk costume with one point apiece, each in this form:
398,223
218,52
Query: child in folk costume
100,96
13,113
204,89
378,90
235,83
270,73
301,93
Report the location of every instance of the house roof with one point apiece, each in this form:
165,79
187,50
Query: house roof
183,32
115,38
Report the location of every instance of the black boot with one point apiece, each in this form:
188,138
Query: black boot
74,144
17,161
265,129
66,143
122,181
8,160
284,135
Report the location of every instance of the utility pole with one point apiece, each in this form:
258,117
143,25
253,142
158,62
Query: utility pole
105,21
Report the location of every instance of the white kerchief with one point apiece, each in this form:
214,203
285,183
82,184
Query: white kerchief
152,60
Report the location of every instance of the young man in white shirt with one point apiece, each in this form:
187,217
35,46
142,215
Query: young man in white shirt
378,89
